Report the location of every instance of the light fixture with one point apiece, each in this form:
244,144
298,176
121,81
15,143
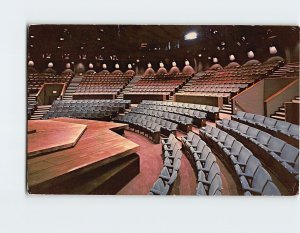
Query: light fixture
31,46
117,66
58,47
149,65
191,36
223,43
68,65
98,39
62,39
161,65
199,55
30,63
250,54
218,48
187,63
272,50
208,58
50,65
102,47
104,66
215,60
173,63
231,57
32,36
129,66
91,66
137,60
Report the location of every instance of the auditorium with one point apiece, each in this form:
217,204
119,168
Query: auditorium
199,110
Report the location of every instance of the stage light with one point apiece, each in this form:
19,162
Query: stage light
191,36
250,54
215,60
231,57
272,50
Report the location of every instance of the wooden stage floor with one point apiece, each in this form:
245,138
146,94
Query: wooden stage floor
95,164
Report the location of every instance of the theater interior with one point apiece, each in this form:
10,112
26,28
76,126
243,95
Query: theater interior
162,110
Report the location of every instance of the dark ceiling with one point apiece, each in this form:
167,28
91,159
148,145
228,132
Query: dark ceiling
155,42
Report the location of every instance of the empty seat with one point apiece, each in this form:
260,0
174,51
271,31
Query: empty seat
160,188
213,189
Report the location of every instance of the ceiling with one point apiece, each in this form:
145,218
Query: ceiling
131,42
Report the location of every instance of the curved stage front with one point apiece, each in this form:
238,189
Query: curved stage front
75,156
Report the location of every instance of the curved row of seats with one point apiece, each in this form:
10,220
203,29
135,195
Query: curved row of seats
172,154
280,157
212,111
167,127
95,109
199,118
252,178
281,129
204,163
184,123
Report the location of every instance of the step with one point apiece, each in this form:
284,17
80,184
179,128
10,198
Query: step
297,98
282,109
278,117
296,101
227,105
226,111
280,113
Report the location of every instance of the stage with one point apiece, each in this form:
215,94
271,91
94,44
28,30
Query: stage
75,156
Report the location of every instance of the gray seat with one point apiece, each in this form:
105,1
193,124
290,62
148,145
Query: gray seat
188,138
194,141
167,176
241,129
250,168
251,133
206,164
207,178
160,188
198,148
262,138
256,184
242,158
221,137
213,189
289,154
235,149
229,140
282,126
202,156
274,145
258,119
269,122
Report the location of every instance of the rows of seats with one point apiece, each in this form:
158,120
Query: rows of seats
184,123
172,154
281,157
203,88
211,111
204,162
85,109
159,83
281,129
290,69
167,127
127,103
143,125
249,173
35,81
199,118
103,83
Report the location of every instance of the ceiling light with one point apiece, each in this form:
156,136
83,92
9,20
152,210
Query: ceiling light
218,48
61,38
137,60
231,57
32,36
223,43
272,50
199,55
215,60
98,38
208,58
191,36
250,54
102,47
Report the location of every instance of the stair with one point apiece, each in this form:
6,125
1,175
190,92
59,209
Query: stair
128,88
40,111
280,114
68,95
227,108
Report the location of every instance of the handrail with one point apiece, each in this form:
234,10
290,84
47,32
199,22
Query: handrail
39,92
62,91
281,90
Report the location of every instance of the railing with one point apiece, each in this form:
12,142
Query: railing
284,95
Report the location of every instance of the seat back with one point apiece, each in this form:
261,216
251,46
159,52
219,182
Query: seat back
229,140
260,178
289,153
242,128
252,132
215,186
263,137
270,189
269,122
251,166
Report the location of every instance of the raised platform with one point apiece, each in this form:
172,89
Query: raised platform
101,162
50,136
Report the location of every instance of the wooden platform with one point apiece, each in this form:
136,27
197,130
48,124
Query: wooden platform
101,162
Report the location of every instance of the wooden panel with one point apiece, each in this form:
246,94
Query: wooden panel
81,96
199,99
292,112
137,98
